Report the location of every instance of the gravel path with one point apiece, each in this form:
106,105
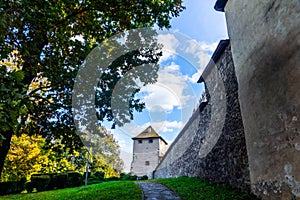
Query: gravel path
156,191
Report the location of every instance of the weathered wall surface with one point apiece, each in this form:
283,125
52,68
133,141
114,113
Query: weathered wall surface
265,40
212,144
143,152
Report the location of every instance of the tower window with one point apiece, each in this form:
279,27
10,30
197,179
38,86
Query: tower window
140,141
150,141
147,163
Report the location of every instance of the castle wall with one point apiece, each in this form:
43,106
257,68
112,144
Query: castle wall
212,144
265,40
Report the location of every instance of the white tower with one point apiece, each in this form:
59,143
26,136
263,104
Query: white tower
148,150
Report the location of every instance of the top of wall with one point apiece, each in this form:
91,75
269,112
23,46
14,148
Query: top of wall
214,58
220,5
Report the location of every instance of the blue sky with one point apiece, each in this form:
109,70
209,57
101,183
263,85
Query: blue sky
201,22
170,101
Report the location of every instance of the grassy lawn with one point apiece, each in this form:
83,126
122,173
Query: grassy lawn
187,188
195,189
113,190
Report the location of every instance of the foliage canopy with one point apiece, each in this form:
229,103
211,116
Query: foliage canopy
40,38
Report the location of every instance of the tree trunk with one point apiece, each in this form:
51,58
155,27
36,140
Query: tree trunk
4,148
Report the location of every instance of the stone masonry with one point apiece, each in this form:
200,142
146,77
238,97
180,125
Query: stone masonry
212,144
247,135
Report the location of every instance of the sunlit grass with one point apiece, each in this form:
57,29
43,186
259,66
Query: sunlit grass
187,188
113,190
196,189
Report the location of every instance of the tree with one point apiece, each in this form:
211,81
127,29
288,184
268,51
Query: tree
31,154
44,35
104,154
27,156
24,158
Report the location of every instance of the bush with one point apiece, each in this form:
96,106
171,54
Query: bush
145,177
99,175
74,179
113,178
124,176
29,187
51,184
52,181
40,182
94,178
47,186
60,181
11,187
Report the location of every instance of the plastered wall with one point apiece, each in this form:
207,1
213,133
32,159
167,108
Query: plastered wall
265,41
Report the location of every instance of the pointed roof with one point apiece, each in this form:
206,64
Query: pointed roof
149,132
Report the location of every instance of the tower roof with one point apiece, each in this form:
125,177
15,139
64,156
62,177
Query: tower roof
149,132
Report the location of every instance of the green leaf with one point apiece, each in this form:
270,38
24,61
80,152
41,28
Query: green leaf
18,75
3,88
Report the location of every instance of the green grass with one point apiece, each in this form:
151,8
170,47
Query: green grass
187,188
196,189
114,190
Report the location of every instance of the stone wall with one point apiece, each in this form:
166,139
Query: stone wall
265,40
212,144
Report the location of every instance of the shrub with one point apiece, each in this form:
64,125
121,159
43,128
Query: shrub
40,181
51,184
133,178
145,177
94,179
11,187
74,179
52,181
60,181
124,176
113,178
29,187
99,175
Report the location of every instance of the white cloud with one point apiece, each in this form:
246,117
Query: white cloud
196,53
121,142
195,77
167,126
210,48
170,44
202,53
168,91
127,158
160,97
